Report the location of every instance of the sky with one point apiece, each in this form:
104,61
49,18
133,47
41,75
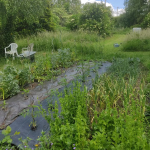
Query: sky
113,3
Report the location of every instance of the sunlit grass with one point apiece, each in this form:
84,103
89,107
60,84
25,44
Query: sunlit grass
85,44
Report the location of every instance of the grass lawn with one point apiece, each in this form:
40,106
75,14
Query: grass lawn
110,51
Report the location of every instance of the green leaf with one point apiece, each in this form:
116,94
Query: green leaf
8,129
17,133
4,132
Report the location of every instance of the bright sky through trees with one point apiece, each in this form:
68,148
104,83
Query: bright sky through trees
114,3
117,5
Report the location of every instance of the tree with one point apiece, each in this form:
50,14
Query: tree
136,10
71,6
30,10
96,17
121,21
146,21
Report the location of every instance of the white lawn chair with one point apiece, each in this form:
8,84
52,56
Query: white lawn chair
29,48
13,50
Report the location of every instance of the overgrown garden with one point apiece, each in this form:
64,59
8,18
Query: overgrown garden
114,114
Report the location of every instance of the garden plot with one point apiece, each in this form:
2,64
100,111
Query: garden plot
17,103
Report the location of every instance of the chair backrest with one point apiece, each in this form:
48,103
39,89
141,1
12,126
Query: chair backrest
14,47
30,47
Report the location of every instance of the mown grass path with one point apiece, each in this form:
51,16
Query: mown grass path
110,51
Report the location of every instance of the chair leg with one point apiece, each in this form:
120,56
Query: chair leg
13,57
5,55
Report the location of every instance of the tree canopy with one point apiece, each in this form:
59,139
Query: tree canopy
10,10
96,17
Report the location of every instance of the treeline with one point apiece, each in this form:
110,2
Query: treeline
32,16
137,14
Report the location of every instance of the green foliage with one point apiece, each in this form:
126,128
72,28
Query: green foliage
9,82
23,28
137,45
6,36
137,41
70,6
16,9
121,21
111,111
60,16
125,68
73,22
24,76
7,136
12,80
117,30
90,42
65,57
109,116
136,10
33,113
6,142
68,129
96,17
146,21
45,22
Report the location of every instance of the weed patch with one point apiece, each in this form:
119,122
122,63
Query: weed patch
137,41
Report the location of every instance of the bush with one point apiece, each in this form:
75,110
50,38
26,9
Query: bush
137,45
146,21
73,22
137,41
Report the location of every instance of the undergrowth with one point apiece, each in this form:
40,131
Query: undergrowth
109,116
137,41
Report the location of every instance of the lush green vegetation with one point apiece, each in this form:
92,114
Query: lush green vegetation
114,114
119,98
137,14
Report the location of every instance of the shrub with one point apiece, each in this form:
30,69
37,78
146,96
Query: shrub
146,21
137,41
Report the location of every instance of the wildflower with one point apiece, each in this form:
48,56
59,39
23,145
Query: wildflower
51,144
36,145
73,144
25,146
74,148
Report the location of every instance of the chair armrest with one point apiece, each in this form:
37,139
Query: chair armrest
6,47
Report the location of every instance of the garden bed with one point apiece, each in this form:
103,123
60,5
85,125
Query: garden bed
17,103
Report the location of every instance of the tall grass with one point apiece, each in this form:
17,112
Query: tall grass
80,42
137,41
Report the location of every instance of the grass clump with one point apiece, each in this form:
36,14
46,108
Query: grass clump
137,41
125,68
79,42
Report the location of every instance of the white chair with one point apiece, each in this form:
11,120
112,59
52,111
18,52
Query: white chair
13,50
29,48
